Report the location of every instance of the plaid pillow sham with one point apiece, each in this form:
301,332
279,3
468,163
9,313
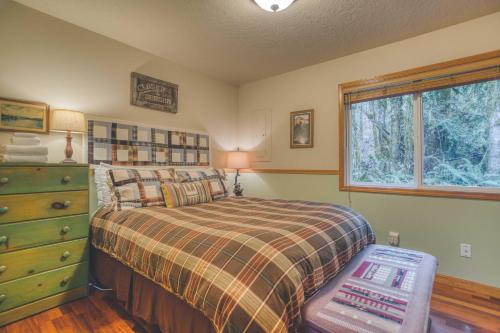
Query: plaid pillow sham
136,188
186,194
215,177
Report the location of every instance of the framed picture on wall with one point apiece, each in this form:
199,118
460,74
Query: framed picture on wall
24,116
302,129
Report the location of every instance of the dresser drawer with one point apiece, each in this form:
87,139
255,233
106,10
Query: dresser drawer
15,236
21,207
41,305
18,264
15,180
18,292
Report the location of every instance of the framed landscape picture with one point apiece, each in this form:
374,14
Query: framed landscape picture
151,93
302,129
24,116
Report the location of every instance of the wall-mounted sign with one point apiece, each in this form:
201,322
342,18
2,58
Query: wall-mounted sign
152,93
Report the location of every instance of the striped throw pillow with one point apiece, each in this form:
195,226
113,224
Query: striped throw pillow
186,194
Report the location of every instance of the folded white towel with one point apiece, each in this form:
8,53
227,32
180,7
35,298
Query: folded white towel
24,158
19,140
24,135
23,150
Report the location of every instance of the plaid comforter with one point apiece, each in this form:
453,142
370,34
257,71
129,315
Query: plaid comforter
247,264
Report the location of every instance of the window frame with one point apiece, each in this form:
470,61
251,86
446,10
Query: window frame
419,189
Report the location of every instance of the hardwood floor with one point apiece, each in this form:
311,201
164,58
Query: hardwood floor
464,306
100,314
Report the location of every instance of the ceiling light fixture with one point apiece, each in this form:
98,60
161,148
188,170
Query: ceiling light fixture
274,5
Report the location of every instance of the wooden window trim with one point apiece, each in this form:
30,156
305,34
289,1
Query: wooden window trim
475,62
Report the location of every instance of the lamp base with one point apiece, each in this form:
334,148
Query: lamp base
238,191
68,151
68,161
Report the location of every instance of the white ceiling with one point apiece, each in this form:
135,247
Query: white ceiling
236,41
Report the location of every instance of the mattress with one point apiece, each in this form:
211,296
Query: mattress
246,264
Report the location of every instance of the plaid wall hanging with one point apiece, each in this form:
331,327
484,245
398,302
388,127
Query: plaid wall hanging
121,144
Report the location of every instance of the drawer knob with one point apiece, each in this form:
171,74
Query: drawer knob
3,268
65,280
66,254
2,298
65,229
66,179
61,205
4,209
3,240
4,180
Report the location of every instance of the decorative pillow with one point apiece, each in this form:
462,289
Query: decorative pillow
215,177
224,180
136,188
186,194
189,175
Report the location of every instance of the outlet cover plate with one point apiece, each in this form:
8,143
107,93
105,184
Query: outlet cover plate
393,238
465,250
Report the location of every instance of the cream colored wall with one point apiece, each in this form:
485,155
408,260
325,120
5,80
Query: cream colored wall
434,225
316,87
48,60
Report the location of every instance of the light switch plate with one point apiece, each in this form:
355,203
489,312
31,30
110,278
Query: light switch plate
465,250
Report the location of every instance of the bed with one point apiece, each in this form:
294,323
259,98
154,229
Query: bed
232,265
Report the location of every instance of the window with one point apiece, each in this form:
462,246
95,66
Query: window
462,135
382,141
420,133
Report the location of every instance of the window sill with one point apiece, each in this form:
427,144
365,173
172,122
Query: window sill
424,192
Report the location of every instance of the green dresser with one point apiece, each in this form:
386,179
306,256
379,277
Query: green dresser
43,237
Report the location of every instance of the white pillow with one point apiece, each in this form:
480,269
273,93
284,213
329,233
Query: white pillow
104,195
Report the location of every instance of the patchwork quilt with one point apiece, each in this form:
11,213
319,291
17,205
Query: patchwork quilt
121,144
247,264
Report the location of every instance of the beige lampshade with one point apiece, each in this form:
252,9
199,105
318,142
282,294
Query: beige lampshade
66,120
237,160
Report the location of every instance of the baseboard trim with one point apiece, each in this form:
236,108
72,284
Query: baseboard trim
473,286
290,171
466,293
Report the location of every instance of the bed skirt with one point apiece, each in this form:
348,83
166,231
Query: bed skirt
154,308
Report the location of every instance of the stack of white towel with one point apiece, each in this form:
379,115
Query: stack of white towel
25,147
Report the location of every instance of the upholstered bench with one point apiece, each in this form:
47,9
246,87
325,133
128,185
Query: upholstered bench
383,289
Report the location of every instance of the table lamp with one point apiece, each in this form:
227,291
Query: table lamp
237,160
68,121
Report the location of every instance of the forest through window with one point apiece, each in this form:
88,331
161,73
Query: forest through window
444,137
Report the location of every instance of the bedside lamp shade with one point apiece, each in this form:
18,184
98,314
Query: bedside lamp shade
66,120
237,160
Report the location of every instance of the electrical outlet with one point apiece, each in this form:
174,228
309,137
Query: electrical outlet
393,238
466,250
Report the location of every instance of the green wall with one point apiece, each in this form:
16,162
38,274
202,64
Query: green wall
433,225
